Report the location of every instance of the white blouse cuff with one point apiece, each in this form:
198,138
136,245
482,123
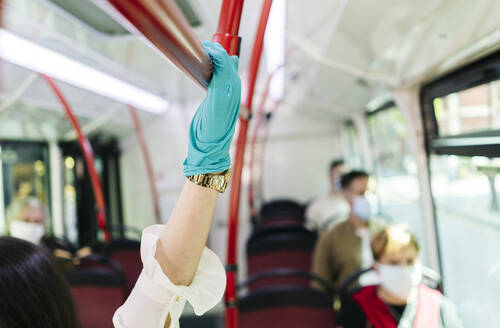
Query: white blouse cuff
154,290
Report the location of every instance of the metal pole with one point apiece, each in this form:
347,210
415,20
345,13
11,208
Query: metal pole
229,25
163,24
88,155
232,251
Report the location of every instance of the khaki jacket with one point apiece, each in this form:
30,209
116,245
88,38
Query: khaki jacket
337,254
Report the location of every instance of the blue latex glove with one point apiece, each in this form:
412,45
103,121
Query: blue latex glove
212,127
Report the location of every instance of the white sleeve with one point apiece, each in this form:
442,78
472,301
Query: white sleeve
155,296
312,215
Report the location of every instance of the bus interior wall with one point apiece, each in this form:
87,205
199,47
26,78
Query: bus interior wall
408,91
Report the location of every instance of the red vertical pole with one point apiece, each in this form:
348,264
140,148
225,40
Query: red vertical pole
88,155
227,36
232,249
229,26
147,161
253,141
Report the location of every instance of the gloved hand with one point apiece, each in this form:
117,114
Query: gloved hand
212,127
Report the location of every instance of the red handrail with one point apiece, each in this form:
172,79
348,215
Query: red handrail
164,25
147,161
88,155
260,115
232,251
260,119
229,25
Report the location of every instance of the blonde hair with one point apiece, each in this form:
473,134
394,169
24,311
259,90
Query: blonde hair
393,239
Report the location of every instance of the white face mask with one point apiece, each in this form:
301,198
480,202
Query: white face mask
399,280
32,232
361,208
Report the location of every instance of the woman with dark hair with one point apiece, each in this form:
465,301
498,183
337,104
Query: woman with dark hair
33,293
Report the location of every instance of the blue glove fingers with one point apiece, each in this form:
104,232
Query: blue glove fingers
216,52
223,97
213,125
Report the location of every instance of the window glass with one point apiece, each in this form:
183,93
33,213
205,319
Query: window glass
465,191
353,157
471,110
24,176
395,171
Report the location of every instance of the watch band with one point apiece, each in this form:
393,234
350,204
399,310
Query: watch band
216,182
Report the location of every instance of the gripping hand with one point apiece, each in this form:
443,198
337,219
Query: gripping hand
212,127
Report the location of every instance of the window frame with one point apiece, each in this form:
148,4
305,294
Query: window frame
45,146
483,143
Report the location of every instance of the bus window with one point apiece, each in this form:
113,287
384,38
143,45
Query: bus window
471,110
462,118
465,191
351,145
395,171
24,175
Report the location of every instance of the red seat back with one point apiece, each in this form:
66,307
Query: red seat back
279,248
281,222
127,253
291,259
97,293
95,305
291,307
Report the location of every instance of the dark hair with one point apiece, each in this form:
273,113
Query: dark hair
336,163
347,179
33,292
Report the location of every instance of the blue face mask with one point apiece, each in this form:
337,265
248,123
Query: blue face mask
336,184
361,208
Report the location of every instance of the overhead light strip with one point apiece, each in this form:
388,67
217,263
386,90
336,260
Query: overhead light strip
27,54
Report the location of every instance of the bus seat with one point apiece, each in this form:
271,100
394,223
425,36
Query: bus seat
280,222
289,277
97,293
286,306
127,253
282,209
278,249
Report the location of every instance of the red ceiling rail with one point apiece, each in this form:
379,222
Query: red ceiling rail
147,161
232,251
164,25
88,155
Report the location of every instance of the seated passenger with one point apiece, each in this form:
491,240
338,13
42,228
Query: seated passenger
27,220
345,249
399,300
331,207
177,267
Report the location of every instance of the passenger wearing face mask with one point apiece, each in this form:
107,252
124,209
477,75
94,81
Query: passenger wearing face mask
27,219
399,300
328,209
345,249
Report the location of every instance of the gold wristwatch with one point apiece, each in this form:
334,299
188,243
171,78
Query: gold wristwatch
217,182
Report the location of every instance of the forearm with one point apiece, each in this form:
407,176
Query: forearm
181,245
